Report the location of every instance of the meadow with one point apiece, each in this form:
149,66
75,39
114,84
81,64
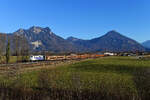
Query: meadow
108,78
14,59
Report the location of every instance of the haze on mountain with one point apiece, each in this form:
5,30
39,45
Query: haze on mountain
146,44
43,39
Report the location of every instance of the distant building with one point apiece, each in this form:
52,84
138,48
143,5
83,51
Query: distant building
109,54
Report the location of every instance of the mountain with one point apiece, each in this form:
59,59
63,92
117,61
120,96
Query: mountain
80,44
43,39
146,44
111,41
114,41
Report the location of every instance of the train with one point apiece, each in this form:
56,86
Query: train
64,57
37,58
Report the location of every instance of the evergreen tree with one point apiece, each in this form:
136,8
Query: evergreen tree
8,52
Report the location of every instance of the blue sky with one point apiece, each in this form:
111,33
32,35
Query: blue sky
79,18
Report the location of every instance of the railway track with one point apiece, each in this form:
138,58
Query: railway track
16,68
13,69
18,64
33,63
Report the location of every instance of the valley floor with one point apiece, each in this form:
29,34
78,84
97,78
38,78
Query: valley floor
108,78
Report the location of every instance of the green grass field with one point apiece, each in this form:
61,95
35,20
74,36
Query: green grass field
13,59
110,76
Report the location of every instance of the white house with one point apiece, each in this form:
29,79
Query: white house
109,53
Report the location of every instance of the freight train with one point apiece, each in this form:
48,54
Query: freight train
64,57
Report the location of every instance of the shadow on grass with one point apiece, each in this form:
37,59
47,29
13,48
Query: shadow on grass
141,75
58,94
142,80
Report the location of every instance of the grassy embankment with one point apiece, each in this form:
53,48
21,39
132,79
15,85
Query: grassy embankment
112,78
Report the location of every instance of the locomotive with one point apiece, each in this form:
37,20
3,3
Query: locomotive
37,58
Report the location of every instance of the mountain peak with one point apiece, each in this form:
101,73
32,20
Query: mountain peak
20,30
37,29
47,28
113,32
72,39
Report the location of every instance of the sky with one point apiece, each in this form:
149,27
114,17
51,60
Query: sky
84,19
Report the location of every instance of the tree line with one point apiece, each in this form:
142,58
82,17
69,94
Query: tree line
13,45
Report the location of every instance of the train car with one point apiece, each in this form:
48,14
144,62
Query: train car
55,58
83,56
52,58
101,55
93,56
37,58
78,57
61,57
73,57
68,58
